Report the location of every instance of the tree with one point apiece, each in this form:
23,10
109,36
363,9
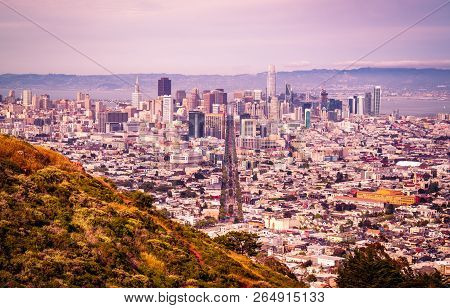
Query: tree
372,267
311,278
433,188
208,222
240,242
143,200
389,209
339,177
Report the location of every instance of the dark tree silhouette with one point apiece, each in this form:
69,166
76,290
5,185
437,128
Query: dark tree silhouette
372,267
240,242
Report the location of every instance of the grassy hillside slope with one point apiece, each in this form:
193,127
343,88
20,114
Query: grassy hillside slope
61,227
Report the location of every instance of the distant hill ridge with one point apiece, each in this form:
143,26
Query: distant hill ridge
61,227
392,78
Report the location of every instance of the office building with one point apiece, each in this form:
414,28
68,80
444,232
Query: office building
289,94
257,95
26,98
271,81
323,98
196,124
307,118
359,105
208,100
215,125
368,103
179,96
351,105
164,86
249,127
136,96
167,109
376,100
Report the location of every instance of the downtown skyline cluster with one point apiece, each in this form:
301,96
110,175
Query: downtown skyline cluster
313,176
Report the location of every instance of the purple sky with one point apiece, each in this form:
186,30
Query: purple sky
220,36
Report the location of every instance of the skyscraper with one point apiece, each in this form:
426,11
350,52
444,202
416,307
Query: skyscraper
179,96
360,105
307,118
164,86
26,98
208,100
289,94
368,103
271,81
196,124
168,108
257,95
351,105
80,96
215,125
220,97
376,100
136,96
323,98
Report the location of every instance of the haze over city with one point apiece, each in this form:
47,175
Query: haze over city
225,144
220,36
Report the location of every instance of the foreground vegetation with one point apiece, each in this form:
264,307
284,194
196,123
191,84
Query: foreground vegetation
60,227
372,267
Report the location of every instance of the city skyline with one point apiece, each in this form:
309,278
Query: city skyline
291,37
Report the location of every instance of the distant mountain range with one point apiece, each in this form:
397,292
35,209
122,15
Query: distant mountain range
121,85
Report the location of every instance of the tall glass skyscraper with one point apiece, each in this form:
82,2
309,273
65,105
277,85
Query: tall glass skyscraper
196,124
376,100
164,86
307,118
271,81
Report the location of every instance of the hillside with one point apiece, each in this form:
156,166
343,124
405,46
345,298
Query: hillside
61,227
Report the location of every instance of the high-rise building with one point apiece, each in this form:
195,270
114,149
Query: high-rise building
368,103
99,108
351,105
271,81
164,86
274,109
298,113
26,98
88,106
215,125
136,96
111,121
289,94
334,104
193,99
179,96
360,105
208,100
80,97
196,124
249,127
168,109
307,118
220,97
323,98
257,95
376,100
